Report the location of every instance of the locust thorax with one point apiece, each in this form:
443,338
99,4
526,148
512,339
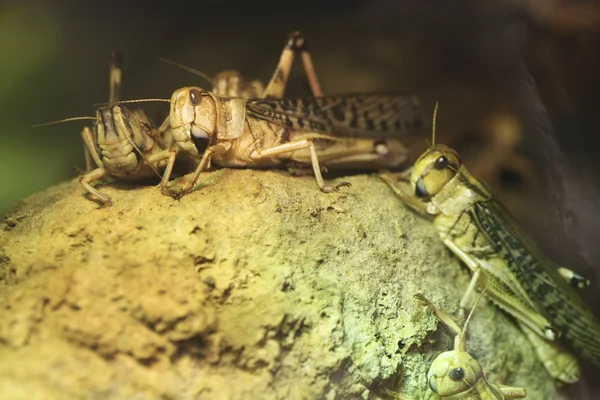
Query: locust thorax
454,372
193,116
228,83
231,83
433,170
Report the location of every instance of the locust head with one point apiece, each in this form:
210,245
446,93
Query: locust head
193,118
453,372
433,170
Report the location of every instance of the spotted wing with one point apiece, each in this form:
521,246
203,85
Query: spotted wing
559,302
379,116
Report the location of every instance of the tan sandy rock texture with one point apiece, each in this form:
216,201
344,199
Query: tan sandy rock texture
255,286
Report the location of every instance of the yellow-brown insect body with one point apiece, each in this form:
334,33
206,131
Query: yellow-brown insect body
519,277
121,136
198,115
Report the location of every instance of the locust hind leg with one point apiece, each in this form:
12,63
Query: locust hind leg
511,392
191,179
93,175
559,363
397,182
300,145
116,59
309,68
277,84
439,314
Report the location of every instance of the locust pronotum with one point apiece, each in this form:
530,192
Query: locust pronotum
123,144
521,280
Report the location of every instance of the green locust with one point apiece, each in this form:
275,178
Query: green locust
521,280
456,374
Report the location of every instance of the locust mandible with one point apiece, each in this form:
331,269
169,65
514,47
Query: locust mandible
521,280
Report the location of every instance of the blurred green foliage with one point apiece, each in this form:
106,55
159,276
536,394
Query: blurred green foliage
29,38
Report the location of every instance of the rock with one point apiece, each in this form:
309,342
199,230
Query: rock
256,285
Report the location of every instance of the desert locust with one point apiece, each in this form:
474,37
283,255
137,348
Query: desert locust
520,279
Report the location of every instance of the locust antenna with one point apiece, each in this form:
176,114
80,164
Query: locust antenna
64,120
188,69
435,110
460,343
132,101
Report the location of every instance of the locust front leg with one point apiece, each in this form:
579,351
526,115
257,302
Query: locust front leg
87,179
300,145
395,181
192,178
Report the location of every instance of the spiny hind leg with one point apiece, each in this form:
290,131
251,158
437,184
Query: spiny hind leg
559,362
91,154
439,314
309,69
278,83
502,295
300,145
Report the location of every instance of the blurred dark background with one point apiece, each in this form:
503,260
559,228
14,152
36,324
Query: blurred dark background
529,68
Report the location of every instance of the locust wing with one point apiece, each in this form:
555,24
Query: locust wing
557,301
376,116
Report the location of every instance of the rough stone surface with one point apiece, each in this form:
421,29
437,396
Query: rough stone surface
255,286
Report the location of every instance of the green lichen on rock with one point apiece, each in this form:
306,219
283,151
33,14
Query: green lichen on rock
257,285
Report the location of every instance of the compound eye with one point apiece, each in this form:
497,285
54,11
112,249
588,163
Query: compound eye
457,374
195,96
441,163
